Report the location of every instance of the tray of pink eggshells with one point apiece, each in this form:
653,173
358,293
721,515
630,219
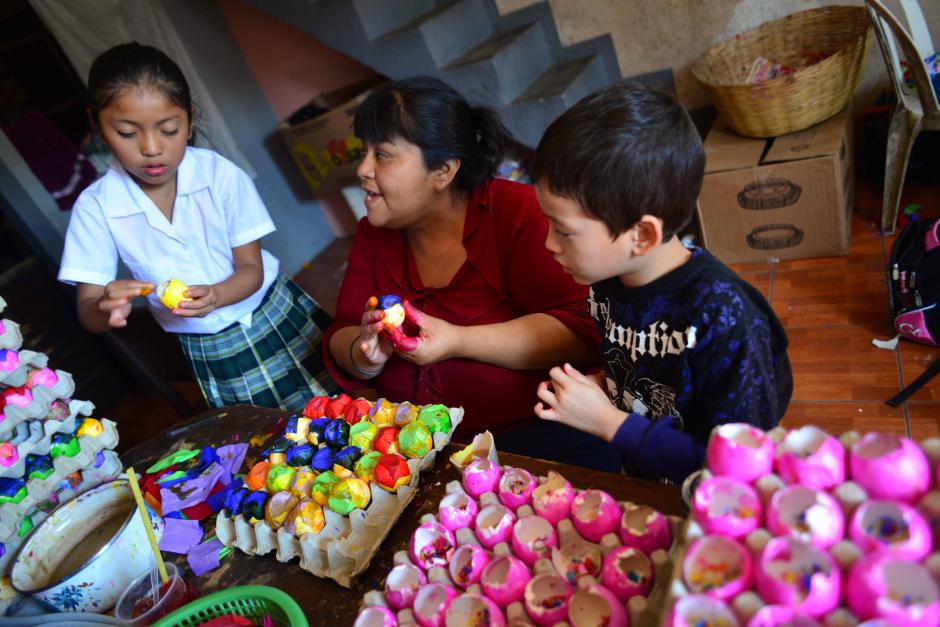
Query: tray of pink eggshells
803,528
509,548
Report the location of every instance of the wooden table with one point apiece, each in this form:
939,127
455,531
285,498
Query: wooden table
324,601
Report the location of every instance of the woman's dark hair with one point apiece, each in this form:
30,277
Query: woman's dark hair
624,152
135,65
433,116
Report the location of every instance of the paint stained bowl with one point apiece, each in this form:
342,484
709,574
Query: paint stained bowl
87,553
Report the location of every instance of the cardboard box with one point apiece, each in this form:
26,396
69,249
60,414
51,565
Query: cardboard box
324,147
790,197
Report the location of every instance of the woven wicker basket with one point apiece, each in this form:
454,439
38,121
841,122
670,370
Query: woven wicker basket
796,101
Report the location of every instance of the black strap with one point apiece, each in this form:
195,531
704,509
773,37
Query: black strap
932,370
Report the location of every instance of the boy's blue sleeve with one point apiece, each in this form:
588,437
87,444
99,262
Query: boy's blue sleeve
658,449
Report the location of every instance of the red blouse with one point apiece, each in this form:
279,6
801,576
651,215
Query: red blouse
508,273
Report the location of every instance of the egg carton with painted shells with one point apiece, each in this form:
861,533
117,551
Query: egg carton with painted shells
38,489
39,406
347,543
110,468
10,338
47,428
643,611
29,360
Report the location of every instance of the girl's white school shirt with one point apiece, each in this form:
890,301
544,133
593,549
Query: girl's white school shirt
217,208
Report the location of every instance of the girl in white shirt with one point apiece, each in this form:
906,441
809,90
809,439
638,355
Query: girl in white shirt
169,210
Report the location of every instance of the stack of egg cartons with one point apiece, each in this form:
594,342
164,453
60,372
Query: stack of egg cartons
50,448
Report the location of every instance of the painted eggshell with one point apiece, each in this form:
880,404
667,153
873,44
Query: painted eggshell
890,467
810,456
348,494
900,591
362,434
436,418
376,616
474,609
480,476
533,537
336,407
793,572
718,566
504,579
810,515
494,525
323,459
595,514
552,499
280,478
386,441
431,604
392,472
432,544
644,528
315,407
406,413
414,440
382,413
589,606
366,465
467,564
741,451
516,487
700,610
402,585
627,572
306,517
45,377
890,527
726,506
546,599
297,429
356,411
457,510
779,615
336,434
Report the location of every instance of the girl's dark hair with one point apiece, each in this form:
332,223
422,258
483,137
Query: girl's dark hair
135,65
432,115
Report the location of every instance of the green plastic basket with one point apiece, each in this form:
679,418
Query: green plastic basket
252,602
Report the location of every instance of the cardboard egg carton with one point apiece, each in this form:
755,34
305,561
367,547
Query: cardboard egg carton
346,545
37,408
642,611
41,432
38,489
29,360
10,337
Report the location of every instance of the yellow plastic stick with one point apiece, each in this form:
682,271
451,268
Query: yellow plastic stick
132,477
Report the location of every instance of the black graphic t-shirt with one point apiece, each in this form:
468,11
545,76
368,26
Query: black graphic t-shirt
693,349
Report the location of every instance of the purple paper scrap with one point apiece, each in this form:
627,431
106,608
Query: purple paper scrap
204,557
192,492
179,536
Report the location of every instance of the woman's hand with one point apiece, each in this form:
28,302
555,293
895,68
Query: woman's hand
578,401
117,297
203,301
437,340
373,347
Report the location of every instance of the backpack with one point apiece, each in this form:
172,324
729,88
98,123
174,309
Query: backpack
914,279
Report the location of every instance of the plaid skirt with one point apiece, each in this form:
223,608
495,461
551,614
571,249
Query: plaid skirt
276,362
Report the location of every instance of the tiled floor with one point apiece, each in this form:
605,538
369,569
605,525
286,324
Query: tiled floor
831,308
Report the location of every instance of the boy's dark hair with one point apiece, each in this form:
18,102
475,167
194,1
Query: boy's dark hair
135,65
435,117
623,152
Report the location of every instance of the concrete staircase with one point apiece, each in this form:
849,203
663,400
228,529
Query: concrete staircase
514,62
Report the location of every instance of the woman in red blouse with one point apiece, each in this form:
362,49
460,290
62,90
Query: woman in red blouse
467,250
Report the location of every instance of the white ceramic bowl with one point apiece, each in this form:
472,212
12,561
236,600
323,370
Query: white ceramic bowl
58,566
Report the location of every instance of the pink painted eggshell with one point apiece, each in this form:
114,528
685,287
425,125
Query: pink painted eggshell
467,564
890,467
902,592
546,599
627,572
810,456
494,525
457,511
482,475
718,566
726,506
695,610
552,499
504,579
793,572
741,451
533,537
644,528
376,616
588,606
44,377
516,487
432,544
890,527
474,609
810,515
431,604
594,514
779,615
402,585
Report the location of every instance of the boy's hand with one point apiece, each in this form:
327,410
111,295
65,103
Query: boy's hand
204,300
117,297
578,401
437,340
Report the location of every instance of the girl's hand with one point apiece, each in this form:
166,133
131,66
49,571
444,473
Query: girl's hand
117,297
438,340
577,401
375,349
204,300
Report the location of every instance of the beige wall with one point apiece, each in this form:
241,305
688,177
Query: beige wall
651,35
